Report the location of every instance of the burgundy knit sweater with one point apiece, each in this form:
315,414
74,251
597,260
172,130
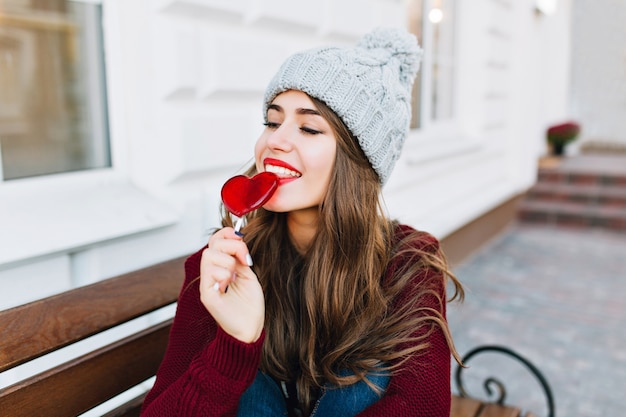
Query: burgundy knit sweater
205,370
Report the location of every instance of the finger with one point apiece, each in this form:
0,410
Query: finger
235,248
217,258
217,280
217,267
225,233
242,273
218,274
245,272
222,286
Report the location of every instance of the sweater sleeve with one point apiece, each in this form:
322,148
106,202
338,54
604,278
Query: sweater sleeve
204,371
422,386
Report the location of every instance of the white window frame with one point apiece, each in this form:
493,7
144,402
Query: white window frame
99,143
429,58
436,139
44,216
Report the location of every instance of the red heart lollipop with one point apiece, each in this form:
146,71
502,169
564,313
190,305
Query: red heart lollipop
241,194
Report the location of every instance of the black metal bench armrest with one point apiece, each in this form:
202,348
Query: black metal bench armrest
494,382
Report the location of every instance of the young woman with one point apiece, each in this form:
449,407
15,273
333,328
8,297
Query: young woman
342,312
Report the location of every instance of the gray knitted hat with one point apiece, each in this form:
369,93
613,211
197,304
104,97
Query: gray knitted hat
368,87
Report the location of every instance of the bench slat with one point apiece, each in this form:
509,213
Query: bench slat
130,409
40,327
495,410
78,385
464,407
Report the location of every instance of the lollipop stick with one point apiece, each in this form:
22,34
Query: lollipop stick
238,224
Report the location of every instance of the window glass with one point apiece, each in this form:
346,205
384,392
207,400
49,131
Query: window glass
433,22
441,17
52,88
415,10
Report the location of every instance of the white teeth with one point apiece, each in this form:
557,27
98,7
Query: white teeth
282,171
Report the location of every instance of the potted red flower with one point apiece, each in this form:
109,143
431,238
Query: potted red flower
561,134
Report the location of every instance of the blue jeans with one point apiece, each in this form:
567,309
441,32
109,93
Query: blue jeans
264,398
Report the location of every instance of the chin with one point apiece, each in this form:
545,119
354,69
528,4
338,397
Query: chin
274,208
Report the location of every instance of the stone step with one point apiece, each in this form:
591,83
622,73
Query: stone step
582,191
565,213
560,176
598,194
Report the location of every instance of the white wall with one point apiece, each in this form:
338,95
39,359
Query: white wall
598,82
513,78
186,79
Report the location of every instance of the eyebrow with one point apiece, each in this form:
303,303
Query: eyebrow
299,110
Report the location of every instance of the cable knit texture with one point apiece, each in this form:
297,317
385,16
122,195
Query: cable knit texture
205,371
368,87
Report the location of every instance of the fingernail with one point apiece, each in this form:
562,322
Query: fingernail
238,233
216,287
249,259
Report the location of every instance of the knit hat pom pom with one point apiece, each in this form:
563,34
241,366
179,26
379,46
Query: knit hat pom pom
399,44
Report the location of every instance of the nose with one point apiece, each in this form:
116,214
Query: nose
279,139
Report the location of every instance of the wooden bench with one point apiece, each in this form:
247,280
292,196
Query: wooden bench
35,329
32,330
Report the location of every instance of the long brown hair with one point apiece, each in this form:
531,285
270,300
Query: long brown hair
329,309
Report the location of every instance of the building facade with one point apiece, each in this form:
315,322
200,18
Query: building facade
114,147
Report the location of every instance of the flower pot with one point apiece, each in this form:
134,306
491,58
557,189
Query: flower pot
558,149
560,135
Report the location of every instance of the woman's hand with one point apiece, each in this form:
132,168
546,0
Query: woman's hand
229,289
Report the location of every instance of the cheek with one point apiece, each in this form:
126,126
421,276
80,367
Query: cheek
325,161
259,147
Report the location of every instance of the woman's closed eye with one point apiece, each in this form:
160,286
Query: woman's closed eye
271,125
304,129
310,131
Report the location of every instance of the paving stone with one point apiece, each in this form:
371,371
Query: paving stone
556,297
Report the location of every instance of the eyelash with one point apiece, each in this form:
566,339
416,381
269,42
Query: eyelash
306,130
310,131
271,125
